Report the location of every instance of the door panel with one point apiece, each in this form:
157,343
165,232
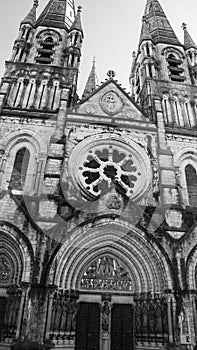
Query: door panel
122,327
88,327
2,311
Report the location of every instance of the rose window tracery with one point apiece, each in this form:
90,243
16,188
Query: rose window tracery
106,273
106,166
103,162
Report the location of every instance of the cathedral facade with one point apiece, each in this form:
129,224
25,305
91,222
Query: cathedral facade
98,195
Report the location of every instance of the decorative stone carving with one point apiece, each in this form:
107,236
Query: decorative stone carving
106,273
105,316
101,162
5,270
111,103
113,202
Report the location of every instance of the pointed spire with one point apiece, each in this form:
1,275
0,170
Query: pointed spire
188,41
92,81
145,33
158,25
31,16
58,14
77,21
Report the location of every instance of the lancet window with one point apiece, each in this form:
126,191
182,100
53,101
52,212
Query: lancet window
19,171
46,51
191,180
175,68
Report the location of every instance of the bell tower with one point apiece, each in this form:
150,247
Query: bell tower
45,61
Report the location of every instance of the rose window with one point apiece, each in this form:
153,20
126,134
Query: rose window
103,162
105,166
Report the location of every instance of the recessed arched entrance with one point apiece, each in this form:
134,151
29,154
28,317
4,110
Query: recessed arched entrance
112,284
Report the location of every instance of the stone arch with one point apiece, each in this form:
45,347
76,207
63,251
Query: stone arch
42,34
14,137
170,49
185,156
143,259
11,144
191,269
16,247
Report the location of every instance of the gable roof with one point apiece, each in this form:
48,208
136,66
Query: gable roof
94,103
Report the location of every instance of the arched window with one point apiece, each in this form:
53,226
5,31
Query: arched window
191,180
46,51
76,38
177,111
147,49
28,33
166,110
19,171
175,68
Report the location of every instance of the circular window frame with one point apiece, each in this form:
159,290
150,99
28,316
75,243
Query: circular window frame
141,159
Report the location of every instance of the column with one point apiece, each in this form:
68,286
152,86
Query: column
171,100
38,175
3,92
48,95
25,83
61,113
24,286
170,318
183,116
105,321
38,82
51,291
193,108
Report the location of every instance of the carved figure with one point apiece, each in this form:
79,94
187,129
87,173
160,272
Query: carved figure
105,316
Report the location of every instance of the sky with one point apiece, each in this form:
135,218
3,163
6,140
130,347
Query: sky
111,32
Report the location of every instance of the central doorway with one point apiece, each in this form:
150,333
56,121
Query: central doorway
98,331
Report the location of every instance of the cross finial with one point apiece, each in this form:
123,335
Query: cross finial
111,74
79,9
184,26
36,3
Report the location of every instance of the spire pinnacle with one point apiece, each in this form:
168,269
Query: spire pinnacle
145,33
92,81
77,21
188,41
31,16
58,14
157,25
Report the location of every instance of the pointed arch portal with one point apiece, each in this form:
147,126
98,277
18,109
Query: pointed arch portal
111,269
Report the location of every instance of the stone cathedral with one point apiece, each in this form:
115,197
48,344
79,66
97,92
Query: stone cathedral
98,193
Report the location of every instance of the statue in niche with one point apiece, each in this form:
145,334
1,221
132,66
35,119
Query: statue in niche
72,309
105,316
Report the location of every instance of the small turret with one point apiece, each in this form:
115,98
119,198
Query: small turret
31,16
75,39
159,26
189,46
21,45
92,81
57,14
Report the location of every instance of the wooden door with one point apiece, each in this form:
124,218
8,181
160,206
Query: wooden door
88,327
122,327
2,312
